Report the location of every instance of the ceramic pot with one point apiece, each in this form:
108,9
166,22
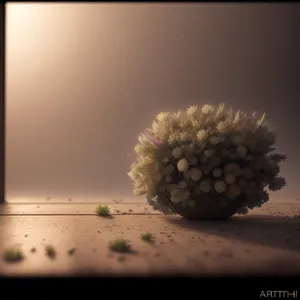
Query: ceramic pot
210,209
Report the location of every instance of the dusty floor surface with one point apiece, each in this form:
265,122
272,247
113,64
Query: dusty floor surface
267,241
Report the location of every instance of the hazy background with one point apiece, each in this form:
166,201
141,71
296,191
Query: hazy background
83,80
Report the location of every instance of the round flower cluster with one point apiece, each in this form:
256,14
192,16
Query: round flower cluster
209,152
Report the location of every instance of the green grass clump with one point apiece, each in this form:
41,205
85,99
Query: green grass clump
102,210
13,254
120,245
147,237
50,251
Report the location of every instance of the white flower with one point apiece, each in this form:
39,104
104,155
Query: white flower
205,186
172,187
142,139
184,136
236,170
247,173
233,191
183,165
177,152
168,178
156,127
225,153
172,141
241,151
277,157
237,140
206,169
139,148
162,116
193,160
221,138
178,114
220,109
166,160
188,150
222,126
179,195
251,143
209,153
182,184
168,169
214,140
220,186
207,109
202,134
217,173
195,174
192,110
230,179
277,184
273,165
176,197
195,123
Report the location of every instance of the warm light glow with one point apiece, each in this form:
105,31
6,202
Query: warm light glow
21,22
82,80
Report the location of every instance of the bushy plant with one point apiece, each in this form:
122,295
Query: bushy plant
13,254
120,245
147,237
102,210
207,152
50,251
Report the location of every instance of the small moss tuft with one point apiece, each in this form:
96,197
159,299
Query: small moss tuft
13,254
120,245
102,210
147,237
50,251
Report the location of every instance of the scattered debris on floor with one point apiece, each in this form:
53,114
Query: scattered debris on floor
13,255
121,258
71,251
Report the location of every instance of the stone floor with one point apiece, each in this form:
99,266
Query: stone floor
267,241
